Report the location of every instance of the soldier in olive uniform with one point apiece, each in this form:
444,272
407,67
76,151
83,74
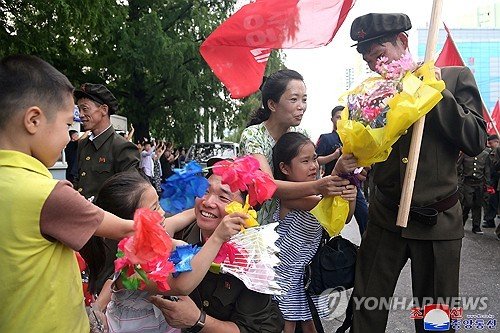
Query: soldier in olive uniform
496,166
104,152
491,208
433,238
221,302
473,175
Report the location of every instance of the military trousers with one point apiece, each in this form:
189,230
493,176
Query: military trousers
472,200
381,257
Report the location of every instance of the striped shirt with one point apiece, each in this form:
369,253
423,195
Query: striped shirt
299,238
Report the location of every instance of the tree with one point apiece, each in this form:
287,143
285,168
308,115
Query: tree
145,51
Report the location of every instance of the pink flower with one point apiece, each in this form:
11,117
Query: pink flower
226,250
261,188
243,174
158,271
149,240
237,174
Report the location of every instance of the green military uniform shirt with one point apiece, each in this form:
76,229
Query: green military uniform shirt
226,298
101,158
474,170
455,124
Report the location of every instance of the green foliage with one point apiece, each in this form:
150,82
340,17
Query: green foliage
146,51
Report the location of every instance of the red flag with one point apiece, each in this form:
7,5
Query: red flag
495,119
237,51
450,56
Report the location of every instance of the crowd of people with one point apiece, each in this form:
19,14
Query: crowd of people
45,221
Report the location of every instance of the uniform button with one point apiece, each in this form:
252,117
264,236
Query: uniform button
404,160
206,303
405,132
475,158
87,158
475,169
80,189
475,163
83,174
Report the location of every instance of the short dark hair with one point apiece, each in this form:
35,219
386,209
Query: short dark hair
26,81
336,109
493,137
272,89
366,47
286,149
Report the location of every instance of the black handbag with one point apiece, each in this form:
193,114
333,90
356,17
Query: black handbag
332,266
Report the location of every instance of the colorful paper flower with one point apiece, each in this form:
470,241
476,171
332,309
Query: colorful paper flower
226,251
181,258
149,240
243,174
261,188
181,189
144,255
238,173
236,207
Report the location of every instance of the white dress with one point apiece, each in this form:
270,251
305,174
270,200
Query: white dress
130,311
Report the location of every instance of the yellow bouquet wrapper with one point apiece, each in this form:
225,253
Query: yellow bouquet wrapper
331,213
421,92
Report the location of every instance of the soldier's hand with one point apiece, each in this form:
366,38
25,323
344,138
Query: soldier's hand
346,163
182,313
229,226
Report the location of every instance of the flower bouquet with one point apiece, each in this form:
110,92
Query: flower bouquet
381,109
378,112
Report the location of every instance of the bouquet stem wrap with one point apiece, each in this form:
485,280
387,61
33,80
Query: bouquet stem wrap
420,93
331,213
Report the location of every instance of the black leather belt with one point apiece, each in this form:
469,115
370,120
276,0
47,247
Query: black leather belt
426,215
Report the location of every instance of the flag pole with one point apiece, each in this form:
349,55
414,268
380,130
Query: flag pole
482,100
418,127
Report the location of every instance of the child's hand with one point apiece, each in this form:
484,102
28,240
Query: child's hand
229,226
349,193
178,242
345,164
331,185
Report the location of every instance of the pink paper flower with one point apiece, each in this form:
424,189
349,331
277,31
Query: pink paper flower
243,174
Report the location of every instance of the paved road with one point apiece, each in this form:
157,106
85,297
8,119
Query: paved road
479,276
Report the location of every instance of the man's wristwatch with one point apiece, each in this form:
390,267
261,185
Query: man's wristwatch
199,324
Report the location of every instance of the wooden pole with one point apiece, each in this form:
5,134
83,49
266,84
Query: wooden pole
418,127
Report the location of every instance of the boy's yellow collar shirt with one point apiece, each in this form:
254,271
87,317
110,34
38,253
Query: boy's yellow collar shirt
39,276
12,158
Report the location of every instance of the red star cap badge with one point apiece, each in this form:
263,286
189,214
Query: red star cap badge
361,34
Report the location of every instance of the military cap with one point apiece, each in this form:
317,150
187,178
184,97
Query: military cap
98,93
375,25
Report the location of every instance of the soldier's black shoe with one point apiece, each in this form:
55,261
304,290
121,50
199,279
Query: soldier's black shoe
477,230
488,224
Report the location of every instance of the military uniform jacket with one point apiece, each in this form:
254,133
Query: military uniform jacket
106,155
474,170
455,124
226,298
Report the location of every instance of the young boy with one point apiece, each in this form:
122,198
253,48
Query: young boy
42,220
